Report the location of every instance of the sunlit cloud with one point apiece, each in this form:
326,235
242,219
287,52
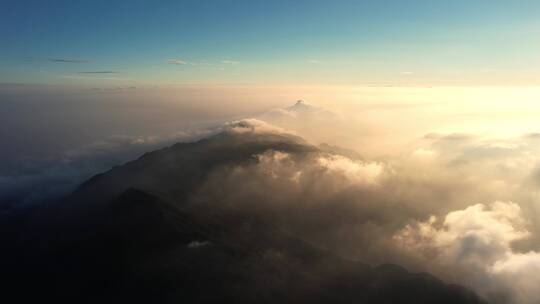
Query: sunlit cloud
176,61
479,238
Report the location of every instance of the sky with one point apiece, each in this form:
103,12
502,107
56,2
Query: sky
390,42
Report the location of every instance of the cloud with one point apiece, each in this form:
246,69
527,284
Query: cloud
198,244
204,64
356,172
532,135
415,208
98,72
54,177
359,208
251,125
231,62
176,61
82,76
114,89
478,241
448,137
69,60
45,179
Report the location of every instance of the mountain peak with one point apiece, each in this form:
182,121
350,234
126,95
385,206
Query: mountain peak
302,106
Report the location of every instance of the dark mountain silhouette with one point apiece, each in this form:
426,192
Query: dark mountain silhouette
127,236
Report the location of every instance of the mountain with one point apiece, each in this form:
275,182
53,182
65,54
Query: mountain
302,106
129,235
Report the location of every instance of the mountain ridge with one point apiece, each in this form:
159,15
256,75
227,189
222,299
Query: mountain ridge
113,241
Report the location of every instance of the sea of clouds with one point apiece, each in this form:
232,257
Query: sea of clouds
462,206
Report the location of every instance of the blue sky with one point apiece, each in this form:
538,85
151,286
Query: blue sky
287,42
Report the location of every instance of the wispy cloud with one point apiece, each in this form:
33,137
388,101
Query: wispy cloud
68,60
314,61
201,63
176,61
98,72
232,62
84,76
205,64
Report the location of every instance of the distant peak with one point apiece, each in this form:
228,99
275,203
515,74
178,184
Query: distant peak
302,106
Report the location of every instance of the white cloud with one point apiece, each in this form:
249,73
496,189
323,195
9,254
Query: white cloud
356,172
251,125
477,242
